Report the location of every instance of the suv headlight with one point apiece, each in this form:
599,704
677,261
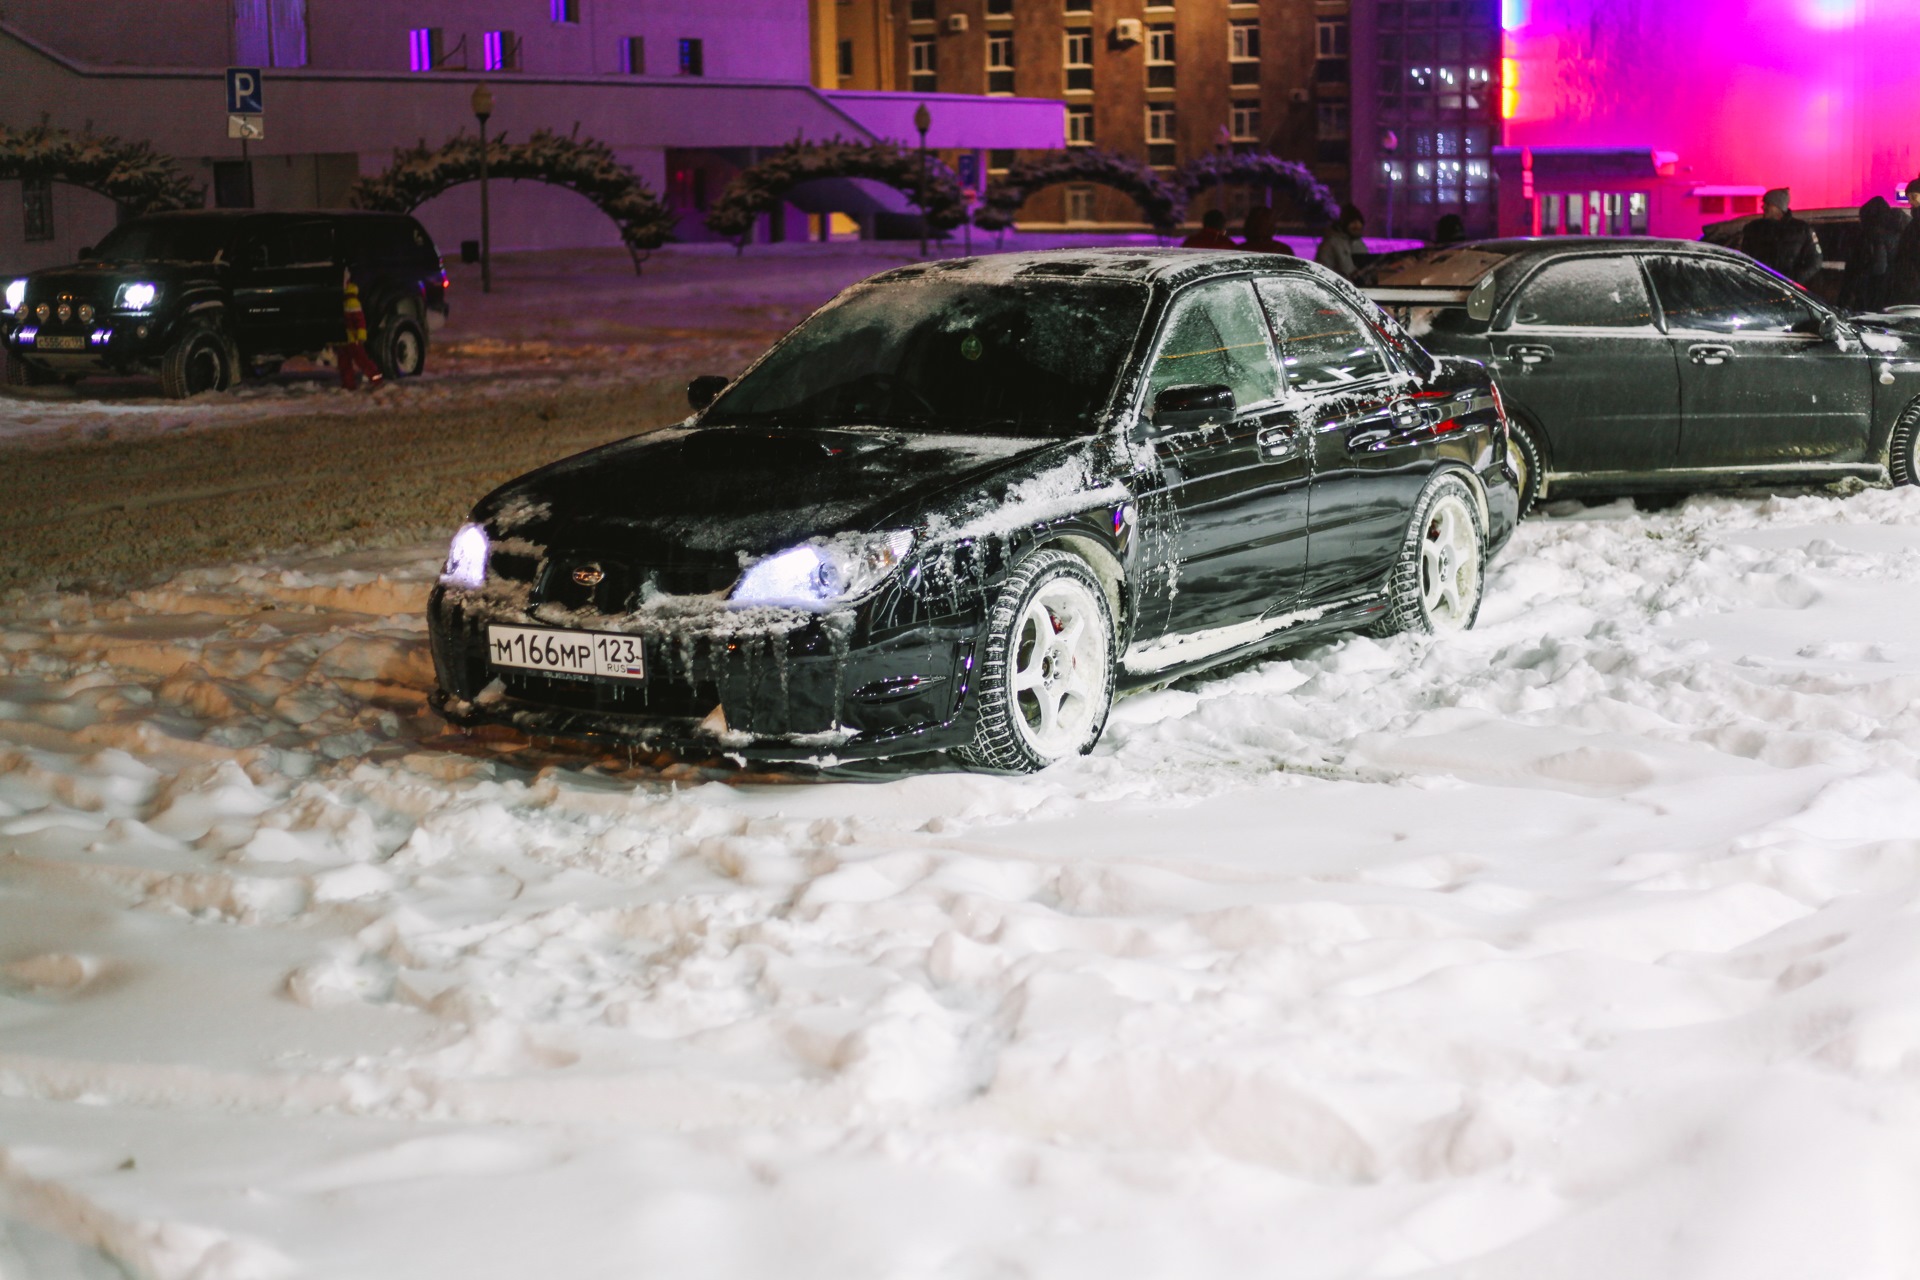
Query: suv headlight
467,558
138,296
16,294
817,574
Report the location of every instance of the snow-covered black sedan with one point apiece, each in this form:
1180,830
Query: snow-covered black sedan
1657,368
967,501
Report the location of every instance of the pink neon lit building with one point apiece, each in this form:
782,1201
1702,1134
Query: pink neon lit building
1651,115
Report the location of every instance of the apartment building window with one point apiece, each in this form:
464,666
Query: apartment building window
500,51
1079,204
843,60
923,64
1079,126
1079,60
36,203
567,11
1161,147
1000,159
1000,62
1330,38
999,8
1243,51
1079,6
1243,121
1160,55
270,33
633,55
693,58
920,11
1331,121
427,49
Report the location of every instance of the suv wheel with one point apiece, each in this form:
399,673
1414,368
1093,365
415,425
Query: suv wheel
203,359
1440,575
21,374
400,346
1903,454
1046,674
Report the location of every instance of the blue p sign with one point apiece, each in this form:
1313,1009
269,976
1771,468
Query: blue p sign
245,92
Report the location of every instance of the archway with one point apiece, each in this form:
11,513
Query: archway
1262,170
132,174
582,165
1161,203
762,187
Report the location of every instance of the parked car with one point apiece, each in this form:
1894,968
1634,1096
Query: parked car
201,298
966,502
1656,368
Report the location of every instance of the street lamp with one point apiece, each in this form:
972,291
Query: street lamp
482,108
923,121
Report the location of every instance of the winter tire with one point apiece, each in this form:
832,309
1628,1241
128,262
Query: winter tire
1903,454
1528,463
1047,667
202,360
400,347
21,374
1440,574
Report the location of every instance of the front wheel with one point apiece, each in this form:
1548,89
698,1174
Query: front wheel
1524,458
1046,674
1440,574
202,360
1903,456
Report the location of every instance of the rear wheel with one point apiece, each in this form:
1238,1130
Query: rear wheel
400,346
1440,575
1046,676
1903,456
203,359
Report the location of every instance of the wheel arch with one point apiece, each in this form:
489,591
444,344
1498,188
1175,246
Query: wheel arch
1106,566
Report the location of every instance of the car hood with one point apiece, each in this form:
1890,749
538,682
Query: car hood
1903,326
724,494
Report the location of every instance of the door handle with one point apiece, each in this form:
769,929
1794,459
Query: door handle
1363,440
1277,442
1709,353
1530,353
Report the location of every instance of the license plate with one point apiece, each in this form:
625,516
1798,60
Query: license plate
59,342
601,654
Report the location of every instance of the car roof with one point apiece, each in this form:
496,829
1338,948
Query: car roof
1516,245
1120,263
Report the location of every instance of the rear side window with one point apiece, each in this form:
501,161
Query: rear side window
1216,336
1725,297
389,240
1323,343
296,244
1585,293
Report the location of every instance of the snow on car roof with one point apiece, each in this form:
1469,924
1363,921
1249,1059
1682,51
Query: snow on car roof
1124,263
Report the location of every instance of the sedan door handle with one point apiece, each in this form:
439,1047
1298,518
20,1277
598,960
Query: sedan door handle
1530,353
1278,442
1709,353
1362,440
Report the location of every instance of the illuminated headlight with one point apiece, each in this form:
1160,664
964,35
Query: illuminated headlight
135,297
86,313
42,313
467,558
16,294
64,311
823,573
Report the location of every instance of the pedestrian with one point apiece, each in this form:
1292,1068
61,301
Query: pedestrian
1342,248
351,355
1257,235
1903,276
1212,233
1451,229
1870,261
1779,240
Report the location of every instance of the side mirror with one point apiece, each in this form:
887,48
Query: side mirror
1185,408
1836,333
705,389
1480,300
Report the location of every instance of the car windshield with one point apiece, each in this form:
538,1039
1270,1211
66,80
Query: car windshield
166,240
1453,268
1035,357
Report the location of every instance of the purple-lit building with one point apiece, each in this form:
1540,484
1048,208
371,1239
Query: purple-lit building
1626,116
687,92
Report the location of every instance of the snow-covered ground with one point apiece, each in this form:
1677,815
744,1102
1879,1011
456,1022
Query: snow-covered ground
1582,945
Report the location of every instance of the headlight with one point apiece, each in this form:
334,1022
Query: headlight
86,313
467,558
135,297
823,573
16,294
41,312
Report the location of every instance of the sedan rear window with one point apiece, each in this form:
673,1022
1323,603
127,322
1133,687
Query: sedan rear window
1027,358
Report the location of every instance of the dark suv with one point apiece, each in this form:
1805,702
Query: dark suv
202,298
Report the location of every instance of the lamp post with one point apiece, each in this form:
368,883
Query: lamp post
923,120
482,108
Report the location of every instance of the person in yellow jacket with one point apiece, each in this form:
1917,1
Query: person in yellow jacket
351,355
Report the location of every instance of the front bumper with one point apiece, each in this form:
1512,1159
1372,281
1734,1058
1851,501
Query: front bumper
814,690
116,343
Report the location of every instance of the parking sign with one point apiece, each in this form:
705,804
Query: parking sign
246,92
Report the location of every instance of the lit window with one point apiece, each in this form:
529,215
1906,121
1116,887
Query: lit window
425,48
1079,126
567,11
500,51
633,56
693,58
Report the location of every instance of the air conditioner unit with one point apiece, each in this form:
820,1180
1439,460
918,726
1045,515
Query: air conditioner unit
1128,31
956,23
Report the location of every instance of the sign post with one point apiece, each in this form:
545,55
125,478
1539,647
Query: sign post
246,115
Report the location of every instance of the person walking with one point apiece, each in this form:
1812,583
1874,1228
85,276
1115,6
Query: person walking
1903,274
1870,261
1779,240
351,355
1257,235
1342,248
1212,233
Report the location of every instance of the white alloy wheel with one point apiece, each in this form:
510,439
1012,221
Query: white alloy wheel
1450,565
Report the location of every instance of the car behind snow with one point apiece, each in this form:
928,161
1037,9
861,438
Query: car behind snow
967,501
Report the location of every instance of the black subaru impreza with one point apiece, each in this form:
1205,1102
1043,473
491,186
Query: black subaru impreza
967,501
